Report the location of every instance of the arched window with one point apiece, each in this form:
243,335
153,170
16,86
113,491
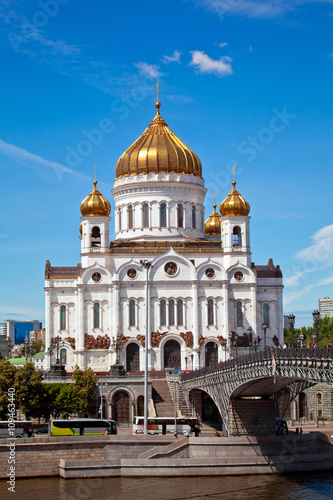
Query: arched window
239,314
63,356
63,318
163,215
132,313
180,215
145,215
95,237
96,315
266,314
130,217
180,320
193,218
119,219
236,237
210,307
163,312
171,312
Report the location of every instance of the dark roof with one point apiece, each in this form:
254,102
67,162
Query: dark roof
62,272
268,271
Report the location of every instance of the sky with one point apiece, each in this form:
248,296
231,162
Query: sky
242,82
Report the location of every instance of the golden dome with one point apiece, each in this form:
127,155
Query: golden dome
158,149
234,204
95,203
213,223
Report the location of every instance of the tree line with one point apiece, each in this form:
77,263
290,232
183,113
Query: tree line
37,399
325,334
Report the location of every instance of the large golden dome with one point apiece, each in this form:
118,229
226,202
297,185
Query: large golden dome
234,204
95,203
213,223
158,149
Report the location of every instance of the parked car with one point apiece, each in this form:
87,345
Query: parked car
42,430
281,426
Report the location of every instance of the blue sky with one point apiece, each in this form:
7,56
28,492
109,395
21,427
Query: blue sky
241,82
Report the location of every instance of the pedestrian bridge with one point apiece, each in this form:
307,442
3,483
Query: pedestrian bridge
276,375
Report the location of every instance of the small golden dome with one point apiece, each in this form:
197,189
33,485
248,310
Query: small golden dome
158,149
95,203
234,204
213,223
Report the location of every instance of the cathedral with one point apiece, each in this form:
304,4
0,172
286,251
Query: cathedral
206,300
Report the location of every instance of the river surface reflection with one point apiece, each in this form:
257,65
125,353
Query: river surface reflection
305,486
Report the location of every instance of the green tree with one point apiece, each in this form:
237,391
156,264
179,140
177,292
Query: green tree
85,389
325,333
7,377
37,346
30,391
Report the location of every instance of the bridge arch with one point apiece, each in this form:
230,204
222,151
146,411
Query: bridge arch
262,376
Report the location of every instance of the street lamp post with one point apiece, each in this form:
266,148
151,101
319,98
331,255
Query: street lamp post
315,315
186,359
225,349
249,333
192,358
292,323
265,325
146,264
236,345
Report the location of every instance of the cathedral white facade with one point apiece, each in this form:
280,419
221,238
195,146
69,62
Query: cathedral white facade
204,294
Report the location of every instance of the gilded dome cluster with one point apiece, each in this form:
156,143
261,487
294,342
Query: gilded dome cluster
95,204
158,149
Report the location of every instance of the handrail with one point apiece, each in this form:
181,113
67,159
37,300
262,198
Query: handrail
262,357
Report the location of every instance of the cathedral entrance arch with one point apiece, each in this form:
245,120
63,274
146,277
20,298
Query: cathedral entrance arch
211,356
121,406
172,354
132,357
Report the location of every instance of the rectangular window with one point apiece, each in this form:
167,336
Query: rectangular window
180,312
210,312
96,315
171,312
163,312
63,318
132,313
239,314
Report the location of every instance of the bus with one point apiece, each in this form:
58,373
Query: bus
166,425
15,429
83,427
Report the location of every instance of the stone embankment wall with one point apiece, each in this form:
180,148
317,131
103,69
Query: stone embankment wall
107,456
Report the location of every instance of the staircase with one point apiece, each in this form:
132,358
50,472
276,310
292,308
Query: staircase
182,408
162,398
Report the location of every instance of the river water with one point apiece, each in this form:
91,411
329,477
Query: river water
305,486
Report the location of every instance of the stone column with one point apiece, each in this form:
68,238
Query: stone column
47,329
195,315
254,311
80,335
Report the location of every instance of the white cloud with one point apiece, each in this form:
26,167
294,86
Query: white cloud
317,256
255,8
320,253
206,64
151,70
34,161
290,296
174,58
223,44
